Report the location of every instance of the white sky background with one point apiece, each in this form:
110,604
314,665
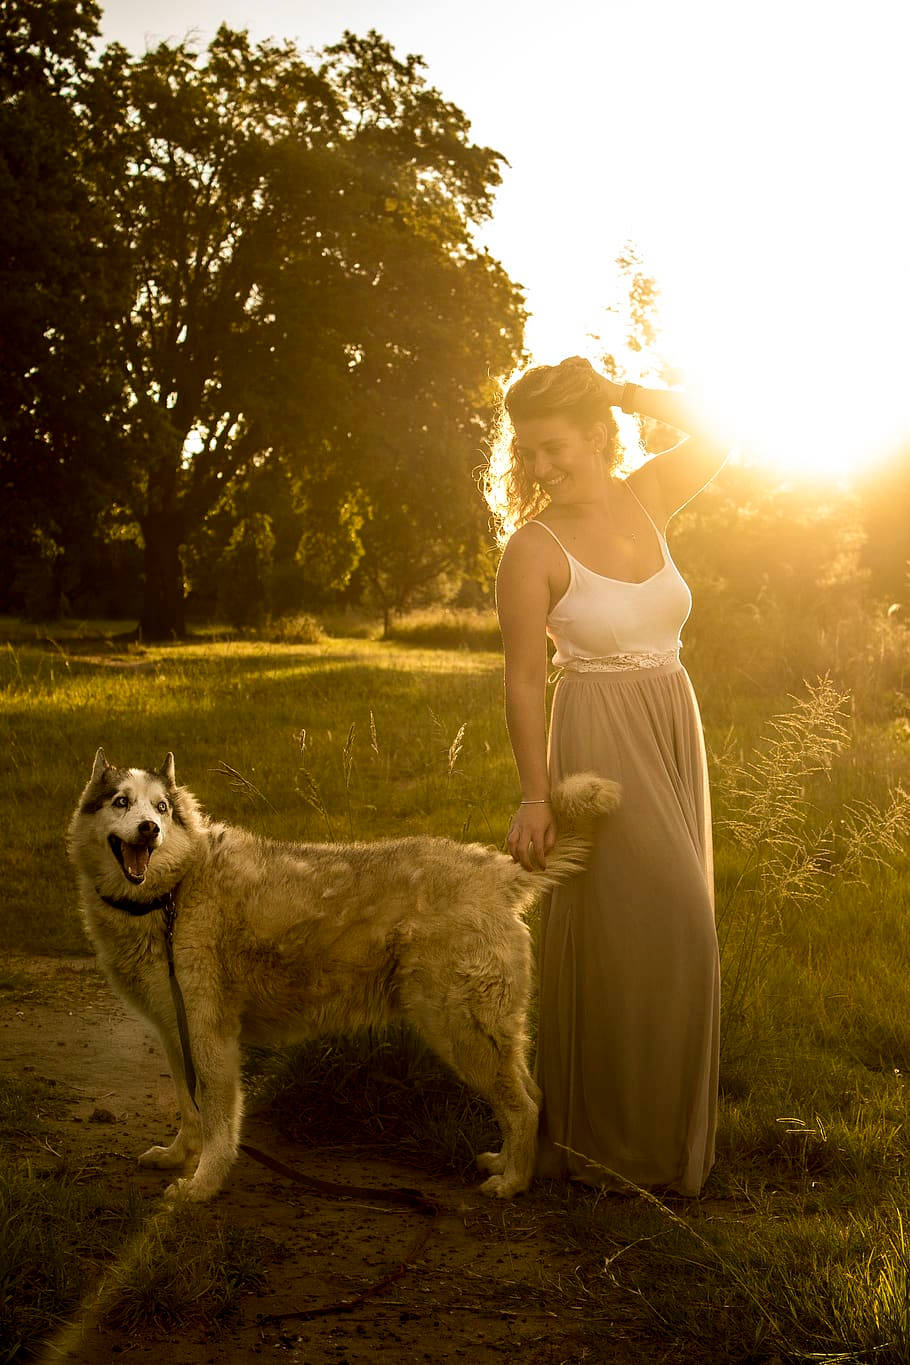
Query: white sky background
755,150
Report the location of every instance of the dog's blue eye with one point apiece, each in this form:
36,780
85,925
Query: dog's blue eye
162,806
120,801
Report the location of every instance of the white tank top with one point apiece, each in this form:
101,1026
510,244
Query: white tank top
599,617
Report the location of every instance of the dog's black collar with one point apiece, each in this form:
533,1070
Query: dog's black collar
140,907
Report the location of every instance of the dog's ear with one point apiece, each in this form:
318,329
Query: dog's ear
167,770
100,767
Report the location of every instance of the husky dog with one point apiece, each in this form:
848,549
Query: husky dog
277,942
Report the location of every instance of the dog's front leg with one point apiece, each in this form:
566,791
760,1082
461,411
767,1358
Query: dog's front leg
217,1061
188,1142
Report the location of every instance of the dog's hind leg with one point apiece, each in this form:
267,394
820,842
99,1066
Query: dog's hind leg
516,1110
217,1061
491,1060
494,1163
188,1141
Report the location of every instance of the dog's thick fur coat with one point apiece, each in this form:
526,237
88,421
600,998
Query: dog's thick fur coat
277,942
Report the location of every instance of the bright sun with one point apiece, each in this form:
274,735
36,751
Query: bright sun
811,380
772,218
809,377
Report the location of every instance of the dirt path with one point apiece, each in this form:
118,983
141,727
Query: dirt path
490,1284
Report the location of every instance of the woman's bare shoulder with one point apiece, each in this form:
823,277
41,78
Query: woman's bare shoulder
531,550
530,537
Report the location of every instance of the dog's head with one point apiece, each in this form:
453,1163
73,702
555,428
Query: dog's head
124,820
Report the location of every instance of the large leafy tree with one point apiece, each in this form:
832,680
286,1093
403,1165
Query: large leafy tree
304,287
60,287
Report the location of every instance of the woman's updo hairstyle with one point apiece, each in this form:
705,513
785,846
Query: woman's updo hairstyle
572,389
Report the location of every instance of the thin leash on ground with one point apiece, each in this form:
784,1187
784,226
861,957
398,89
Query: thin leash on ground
402,1196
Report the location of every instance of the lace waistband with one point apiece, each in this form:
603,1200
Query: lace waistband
622,663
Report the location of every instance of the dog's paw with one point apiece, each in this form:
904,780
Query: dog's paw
191,1189
498,1187
163,1158
491,1162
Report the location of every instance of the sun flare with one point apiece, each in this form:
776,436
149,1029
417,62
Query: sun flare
804,378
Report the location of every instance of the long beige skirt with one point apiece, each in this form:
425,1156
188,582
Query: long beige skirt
629,1001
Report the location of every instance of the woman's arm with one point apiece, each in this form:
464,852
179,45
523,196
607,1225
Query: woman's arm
672,478
522,603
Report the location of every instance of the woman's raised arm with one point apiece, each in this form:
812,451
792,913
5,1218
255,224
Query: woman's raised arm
666,482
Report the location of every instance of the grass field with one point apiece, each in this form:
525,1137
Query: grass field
798,1250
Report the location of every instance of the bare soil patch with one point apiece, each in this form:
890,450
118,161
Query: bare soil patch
491,1282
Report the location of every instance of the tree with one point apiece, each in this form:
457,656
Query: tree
884,495
638,316
246,569
304,284
59,291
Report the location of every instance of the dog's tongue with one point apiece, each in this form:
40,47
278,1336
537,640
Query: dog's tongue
135,859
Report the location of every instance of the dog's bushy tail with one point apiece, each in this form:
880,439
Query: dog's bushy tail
578,803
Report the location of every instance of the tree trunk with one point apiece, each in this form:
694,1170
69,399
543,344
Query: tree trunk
163,615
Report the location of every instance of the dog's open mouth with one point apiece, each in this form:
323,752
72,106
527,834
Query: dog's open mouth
133,858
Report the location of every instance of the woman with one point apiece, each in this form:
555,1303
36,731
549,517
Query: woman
628,966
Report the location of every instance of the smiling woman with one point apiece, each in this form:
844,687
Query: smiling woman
628,1016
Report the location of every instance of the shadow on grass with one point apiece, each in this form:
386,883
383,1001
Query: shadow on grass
381,1091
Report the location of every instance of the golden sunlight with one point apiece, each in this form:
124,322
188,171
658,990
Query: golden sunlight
791,322
775,232
808,394
799,354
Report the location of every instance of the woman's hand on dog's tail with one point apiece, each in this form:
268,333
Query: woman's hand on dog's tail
532,835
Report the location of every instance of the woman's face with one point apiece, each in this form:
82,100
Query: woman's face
566,462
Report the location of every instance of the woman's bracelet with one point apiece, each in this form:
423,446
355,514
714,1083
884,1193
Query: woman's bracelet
541,801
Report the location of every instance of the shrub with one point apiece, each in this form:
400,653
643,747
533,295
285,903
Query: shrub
448,628
299,629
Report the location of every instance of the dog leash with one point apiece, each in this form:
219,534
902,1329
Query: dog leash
167,903
407,1198
411,1199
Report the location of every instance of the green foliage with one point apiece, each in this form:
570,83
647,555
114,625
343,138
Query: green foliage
279,216
59,294
246,566
24,1104
209,269
301,629
873,1295
448,628
883,494
59,1226
330,547
781,593
243,703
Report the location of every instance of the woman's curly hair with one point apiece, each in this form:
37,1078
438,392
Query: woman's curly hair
572,389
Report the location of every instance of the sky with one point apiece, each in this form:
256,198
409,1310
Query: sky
755,153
